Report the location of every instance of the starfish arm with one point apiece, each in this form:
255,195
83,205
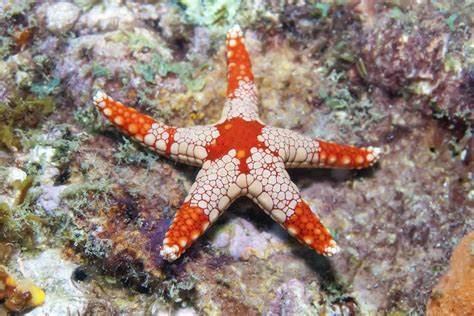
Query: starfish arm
187,145
213,191
273,190
241,90
191,144
298,151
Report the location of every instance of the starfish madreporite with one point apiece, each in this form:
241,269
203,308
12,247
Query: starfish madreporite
239,156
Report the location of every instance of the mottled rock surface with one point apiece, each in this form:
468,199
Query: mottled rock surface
61,16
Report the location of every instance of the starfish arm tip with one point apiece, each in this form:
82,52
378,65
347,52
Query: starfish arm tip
99,96
373,154
377,151
236,27
234,32
100,99
319,153
332,249
169,253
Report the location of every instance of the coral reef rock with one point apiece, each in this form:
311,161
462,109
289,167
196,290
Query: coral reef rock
61,17
454,294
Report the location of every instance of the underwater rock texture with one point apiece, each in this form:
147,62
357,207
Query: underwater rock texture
403,58
54,274
61,16
398,76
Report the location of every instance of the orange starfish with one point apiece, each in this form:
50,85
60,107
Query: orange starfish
239,156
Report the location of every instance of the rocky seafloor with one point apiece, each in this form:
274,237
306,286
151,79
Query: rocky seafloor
83,210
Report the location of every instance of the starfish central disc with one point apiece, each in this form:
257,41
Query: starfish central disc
239,135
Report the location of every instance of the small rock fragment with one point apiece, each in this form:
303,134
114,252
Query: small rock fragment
61,17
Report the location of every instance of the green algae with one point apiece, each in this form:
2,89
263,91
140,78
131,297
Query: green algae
87,116
81,194
5,215
396,13
142,41
20,114
61,140
19,222
218,15
161,62
337,102
160,66
452,64
322,9
5,44
17,7
131,153
99,70
451,20
46,88
179,291
79,197
22,187
86,5
338,98
468,51
17,28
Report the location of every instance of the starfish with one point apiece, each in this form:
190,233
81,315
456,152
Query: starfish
239,156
